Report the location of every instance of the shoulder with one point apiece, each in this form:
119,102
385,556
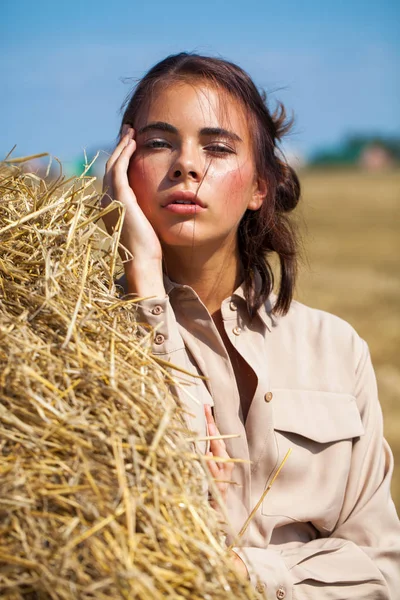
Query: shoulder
316,319
318,325
318,337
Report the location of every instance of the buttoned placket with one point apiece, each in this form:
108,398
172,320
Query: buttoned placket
203,340
249,339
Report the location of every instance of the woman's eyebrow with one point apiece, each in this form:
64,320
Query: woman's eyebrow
220,132
159,126
215,131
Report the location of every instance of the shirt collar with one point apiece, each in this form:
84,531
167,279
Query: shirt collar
264,312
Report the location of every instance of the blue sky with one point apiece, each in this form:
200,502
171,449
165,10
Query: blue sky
335,64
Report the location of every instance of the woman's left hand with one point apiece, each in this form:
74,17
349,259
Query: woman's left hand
221,471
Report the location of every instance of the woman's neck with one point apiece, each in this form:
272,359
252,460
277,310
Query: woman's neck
213,276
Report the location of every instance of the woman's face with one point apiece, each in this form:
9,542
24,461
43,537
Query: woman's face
193,171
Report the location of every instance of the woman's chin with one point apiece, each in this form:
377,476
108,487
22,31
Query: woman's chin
189,235
183,235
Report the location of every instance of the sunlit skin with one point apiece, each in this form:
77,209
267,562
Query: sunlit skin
187,141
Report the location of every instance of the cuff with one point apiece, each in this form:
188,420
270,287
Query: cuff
268,572
157,313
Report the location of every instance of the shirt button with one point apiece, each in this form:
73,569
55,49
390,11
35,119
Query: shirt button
232,305
260,587
157,310
281,593
237,330
268,397
159,339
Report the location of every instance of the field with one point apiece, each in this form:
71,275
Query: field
351,248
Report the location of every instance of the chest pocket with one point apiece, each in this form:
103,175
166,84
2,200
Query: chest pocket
320,427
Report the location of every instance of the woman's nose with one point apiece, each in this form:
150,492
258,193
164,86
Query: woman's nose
186,166
179,174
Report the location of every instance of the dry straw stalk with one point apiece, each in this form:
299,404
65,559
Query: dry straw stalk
101,494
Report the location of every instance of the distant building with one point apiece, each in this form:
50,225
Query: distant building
369,152
376,158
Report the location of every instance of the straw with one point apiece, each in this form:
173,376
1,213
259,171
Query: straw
101,493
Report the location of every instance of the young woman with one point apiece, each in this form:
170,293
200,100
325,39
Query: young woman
207,195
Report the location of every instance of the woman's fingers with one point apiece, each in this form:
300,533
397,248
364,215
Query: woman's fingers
219,470
213,467
229,466
216,445
121,165
212,428
219,451
127,135
222,471
208,414
125,129
115,183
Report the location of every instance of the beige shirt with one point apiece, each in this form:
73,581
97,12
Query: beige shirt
328,527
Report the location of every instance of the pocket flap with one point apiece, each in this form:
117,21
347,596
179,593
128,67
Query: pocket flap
320,416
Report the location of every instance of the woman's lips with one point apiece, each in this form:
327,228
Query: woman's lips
184,209
184,202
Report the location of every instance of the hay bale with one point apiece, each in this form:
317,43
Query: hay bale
101,494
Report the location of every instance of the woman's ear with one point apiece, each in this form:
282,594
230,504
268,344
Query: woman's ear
258,195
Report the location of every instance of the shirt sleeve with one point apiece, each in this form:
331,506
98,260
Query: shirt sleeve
157,314
361,558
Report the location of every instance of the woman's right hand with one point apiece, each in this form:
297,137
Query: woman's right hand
143,255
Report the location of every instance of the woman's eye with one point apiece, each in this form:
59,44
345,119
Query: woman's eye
219,149
157,144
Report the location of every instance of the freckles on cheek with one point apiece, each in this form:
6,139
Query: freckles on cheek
142,177
138,171
237,183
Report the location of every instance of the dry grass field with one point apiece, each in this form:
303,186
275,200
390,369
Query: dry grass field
351,236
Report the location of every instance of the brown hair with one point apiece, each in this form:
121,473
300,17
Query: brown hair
268,229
